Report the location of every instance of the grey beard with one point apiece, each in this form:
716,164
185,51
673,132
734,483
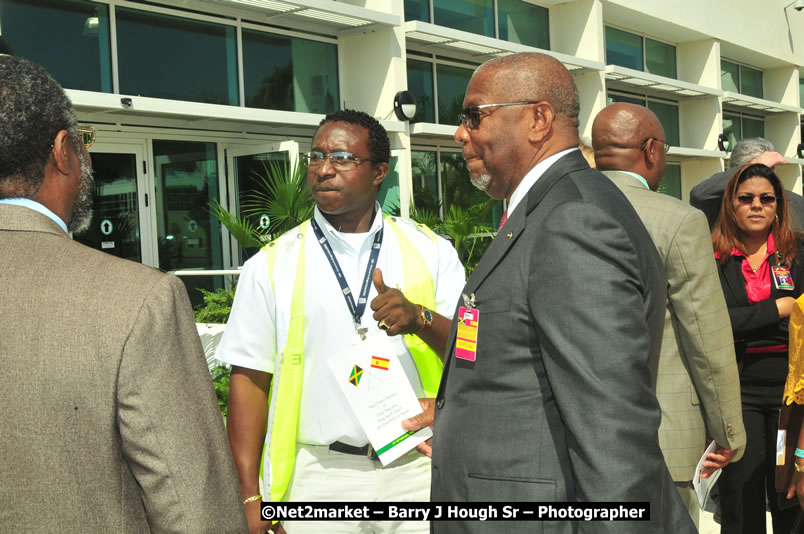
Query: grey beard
481,182
82,208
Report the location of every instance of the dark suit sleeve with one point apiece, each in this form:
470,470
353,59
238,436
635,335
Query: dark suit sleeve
586,295
745,318
170,425
707,196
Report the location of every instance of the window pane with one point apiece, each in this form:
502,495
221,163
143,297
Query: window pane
733,129
670,183
189,237
289,73
197,60
613,97
81,59
452,82
623,48
750,81
426,196
458,189
800,92
729,76
521,22
476,16
388,195
668,116
420,83
753,128
417,10
660,58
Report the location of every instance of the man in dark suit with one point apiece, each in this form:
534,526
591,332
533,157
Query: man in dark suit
110,419
557,401
707,196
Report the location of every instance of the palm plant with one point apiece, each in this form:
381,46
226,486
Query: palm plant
280,192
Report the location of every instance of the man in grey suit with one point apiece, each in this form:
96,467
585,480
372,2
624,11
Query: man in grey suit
707,196
110,421
556,401
698,385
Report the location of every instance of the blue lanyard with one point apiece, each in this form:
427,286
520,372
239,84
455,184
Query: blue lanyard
355,310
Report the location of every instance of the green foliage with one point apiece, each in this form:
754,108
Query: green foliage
281,193
216,307
220,379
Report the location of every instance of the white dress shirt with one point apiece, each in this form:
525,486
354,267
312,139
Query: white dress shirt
258,325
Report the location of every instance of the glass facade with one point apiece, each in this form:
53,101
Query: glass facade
660,58
740,79
289,73
524,23
667,113
624,49
417,10
420,83
670,183
426,193
197,60
475,16
70,38
738,127
189,237
452,82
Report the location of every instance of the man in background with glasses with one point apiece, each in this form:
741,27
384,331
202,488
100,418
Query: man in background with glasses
557,402
346,279
111,422
698,386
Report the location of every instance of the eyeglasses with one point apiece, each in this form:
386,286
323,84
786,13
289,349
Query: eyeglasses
343,161
664,145
471,116
87,134
748,198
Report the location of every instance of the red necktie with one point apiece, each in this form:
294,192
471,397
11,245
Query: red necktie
503,219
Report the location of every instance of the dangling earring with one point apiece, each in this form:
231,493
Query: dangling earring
777,218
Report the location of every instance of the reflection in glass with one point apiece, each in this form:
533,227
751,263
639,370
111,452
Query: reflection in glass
417,10
750,81
732,128
523,22
289,73
70,38
458,189
197,61
420,83
426,196
668,116
475,16
189,237
624,49
753,128
729,76
115,226
452,82
660,58
388,195
670,183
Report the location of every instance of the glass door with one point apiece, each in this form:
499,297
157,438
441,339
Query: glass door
119,203
246,168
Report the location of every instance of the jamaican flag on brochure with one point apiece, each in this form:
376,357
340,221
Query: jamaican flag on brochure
357,374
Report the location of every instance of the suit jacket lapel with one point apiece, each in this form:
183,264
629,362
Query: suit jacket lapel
735,281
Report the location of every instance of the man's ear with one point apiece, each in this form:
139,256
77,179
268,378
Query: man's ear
651,153
62,152
380,172
542,117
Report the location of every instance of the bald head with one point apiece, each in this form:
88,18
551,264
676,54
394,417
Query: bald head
618,133
534,76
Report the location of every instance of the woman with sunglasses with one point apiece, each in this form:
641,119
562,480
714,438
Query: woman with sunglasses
761,273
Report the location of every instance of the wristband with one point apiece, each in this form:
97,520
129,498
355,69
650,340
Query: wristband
252,499
799,453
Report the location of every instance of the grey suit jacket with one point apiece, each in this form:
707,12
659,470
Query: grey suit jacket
560,404
698,384
110,422
708,195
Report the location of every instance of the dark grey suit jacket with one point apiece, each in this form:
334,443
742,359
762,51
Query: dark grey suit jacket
560,403
707,196
110,419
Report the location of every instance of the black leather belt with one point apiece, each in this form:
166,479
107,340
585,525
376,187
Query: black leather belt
366,450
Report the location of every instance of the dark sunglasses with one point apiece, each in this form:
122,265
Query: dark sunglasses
471,116
748,198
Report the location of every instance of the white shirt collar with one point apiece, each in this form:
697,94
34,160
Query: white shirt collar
36,206
530,178
332,233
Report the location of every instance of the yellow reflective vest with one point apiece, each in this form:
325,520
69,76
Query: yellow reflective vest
286,384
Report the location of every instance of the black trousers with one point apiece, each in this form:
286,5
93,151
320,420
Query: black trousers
744,485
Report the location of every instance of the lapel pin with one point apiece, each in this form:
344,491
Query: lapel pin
510,235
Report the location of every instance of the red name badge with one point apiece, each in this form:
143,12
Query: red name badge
466,340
